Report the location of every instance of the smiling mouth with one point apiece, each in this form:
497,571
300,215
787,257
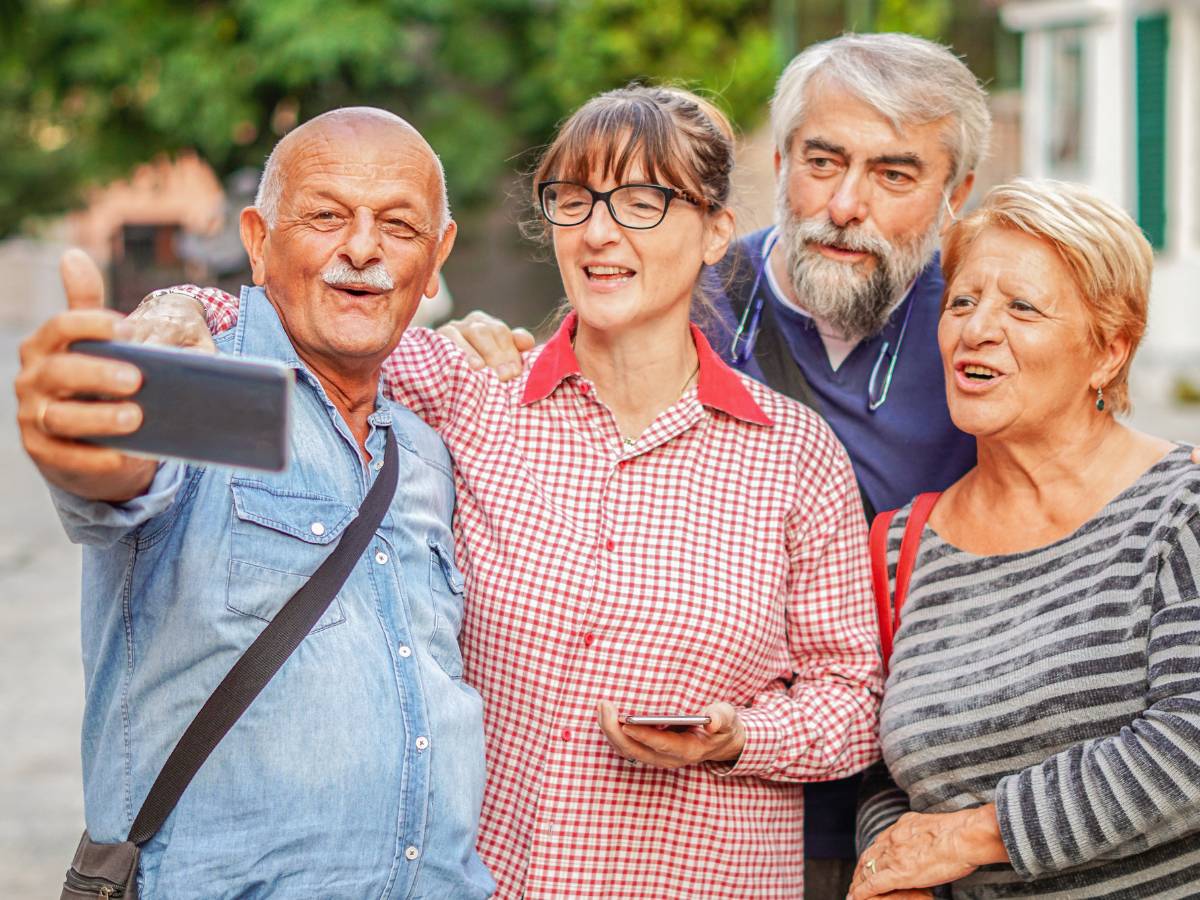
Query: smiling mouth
608,274
839,251
979,373
355,290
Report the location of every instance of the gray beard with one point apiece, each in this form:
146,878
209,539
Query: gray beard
844,296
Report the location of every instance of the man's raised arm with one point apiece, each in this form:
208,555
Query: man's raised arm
56,390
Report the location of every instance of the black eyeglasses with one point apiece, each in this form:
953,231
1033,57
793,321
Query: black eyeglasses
568,203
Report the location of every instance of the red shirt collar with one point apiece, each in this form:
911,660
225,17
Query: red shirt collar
718,386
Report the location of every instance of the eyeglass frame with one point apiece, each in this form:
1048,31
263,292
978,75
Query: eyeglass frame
605,197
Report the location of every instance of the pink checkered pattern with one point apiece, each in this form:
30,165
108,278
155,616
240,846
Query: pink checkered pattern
721,557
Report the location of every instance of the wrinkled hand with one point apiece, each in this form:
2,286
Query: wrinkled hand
172,320
1196,456
721,740
52,383
489,342
924,850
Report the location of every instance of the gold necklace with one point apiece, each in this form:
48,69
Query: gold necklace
630,441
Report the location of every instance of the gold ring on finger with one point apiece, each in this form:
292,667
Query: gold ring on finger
870,864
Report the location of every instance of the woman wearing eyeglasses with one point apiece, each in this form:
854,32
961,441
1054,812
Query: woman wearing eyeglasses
644,531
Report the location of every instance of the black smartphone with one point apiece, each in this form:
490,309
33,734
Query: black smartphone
197,406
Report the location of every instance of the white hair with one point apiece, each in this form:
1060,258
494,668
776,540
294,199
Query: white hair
270,186
907,80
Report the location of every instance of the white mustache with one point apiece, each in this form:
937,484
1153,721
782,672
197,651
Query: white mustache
814,231
375,276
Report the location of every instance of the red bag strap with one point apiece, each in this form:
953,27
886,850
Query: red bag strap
879,577
887,610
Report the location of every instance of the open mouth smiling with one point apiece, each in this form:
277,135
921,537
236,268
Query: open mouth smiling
608,274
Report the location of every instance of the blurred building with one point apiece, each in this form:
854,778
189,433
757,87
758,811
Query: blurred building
171,221
1111,97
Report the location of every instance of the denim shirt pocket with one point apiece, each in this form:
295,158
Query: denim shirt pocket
279,538
446,595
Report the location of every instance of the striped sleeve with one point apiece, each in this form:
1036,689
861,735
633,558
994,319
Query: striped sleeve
880,803
1117,796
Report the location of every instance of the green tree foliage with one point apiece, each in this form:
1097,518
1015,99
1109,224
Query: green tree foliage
91,88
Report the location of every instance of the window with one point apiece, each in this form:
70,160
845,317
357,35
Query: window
1066,103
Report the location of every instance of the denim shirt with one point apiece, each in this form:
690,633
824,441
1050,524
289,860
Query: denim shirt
358,772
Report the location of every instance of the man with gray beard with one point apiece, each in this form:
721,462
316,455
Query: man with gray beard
837,305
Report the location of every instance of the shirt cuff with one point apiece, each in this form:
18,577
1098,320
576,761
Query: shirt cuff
763,752
98,522
1010,817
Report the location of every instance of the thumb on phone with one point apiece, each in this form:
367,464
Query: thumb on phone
81,280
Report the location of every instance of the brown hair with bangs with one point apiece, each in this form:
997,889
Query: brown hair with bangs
676,138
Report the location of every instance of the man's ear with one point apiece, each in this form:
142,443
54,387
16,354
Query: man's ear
445,245
253,228
718,232
778,163
958,198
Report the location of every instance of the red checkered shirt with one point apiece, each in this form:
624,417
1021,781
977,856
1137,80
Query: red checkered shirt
723,556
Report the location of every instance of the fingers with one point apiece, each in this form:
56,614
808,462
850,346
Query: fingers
722,716
72,374
82,280
78,325
489,342
73,419
170,320
523,341
450,330
629,749
1195,456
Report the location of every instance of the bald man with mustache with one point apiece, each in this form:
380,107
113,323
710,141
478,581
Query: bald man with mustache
358,771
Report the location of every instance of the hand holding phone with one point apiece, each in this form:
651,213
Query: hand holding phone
669,741
197,406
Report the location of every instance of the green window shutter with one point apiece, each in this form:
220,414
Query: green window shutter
1151,106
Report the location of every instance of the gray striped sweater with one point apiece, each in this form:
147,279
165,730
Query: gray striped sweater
1063,684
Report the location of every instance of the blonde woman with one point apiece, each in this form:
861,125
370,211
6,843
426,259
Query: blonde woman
1042,715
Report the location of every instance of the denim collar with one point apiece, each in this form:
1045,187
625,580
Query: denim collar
260,333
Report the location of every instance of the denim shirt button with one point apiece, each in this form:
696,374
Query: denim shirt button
381,557
422,743
405,651
411,853
317,528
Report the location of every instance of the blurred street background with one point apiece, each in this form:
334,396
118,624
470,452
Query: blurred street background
136,129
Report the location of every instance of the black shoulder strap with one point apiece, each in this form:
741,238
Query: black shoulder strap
771,350
264,657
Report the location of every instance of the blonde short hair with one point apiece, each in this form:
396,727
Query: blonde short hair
1108,257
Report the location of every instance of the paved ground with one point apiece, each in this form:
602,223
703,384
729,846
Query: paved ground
41,680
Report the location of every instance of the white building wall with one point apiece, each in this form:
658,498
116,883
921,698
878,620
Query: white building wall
1172,341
